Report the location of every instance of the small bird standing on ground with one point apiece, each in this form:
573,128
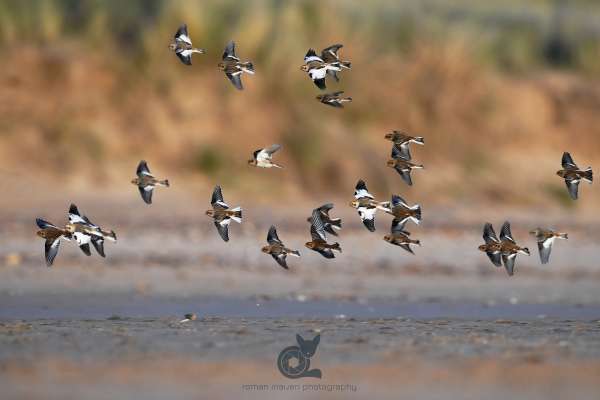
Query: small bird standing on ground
233,67
262,158
545,239
222,215
402,165
319,238
52,234
330,224
402,140
400,237
277,249
366,205
146,182
188,317
85,232
334,99
183,46
573,175
510,249
401,211
492,246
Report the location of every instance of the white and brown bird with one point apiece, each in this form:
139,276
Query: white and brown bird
222,215
399,208
53,235
400,237
277,249
366,205
85,232
233,67
183,47
263,158
402,140
329,63
334,99
319,237
492,246
331,224
545,239
146,182
573,175
402,165
509,249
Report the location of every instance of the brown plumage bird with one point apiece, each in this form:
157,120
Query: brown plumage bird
146,182
277,249
399,237
492,246
366,205
233,67
510,249
334,99
402,140
52,234
573,175
401,211
331,224
319,238
222,214
402,165
545,239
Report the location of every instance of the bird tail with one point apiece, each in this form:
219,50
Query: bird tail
419,140
164,183
336,246
237,214
346,64
110,235
346,99
336,223
588,175
562,235
294,253
416,214
248,67
199,51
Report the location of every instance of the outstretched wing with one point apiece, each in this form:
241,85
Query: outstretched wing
217,198
85,247
74,216
229,53
311,55
545,247
398,226
405,175
223,228
142,169
236,79
42,224
400,151
317,228
567,161
505,233
361,191
98,244
509,263
281,259
146,193
272,237
327,253
495,258
489,235
367,216
51,250
182,35
329,54
573,188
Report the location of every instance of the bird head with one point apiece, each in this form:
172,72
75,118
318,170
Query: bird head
389,136
252,162
354,203
221,66
210,213
561,173
41,233
387,238
304,67
265,249
535,232
172,46
310,245
135,181
524,250
70,228
320,97
482,247
391,163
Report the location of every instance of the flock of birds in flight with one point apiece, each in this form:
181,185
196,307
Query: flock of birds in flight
502,251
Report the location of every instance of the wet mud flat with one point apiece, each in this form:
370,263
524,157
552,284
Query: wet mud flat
220,357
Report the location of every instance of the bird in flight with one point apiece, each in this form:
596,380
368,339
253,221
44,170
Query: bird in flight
545,239
262,158
277,249
573,175
233,67
222,214
146,182
183,47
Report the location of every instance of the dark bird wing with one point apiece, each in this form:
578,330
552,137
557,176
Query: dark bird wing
333,74
327,253
329,54
74,216
361,190
329,229
400,152
509,263
98,244
51,247
367,216
236,79
142,169
42,224
573,188
320,83
505,233
272,149
311,55
86,249
406,247
398,201
184,56
545,247
405,175
333,103
272,237
489,235
317,228
146,193
495,258
567,161
182,35
229,52
223,229
217,196
398,226
281,259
